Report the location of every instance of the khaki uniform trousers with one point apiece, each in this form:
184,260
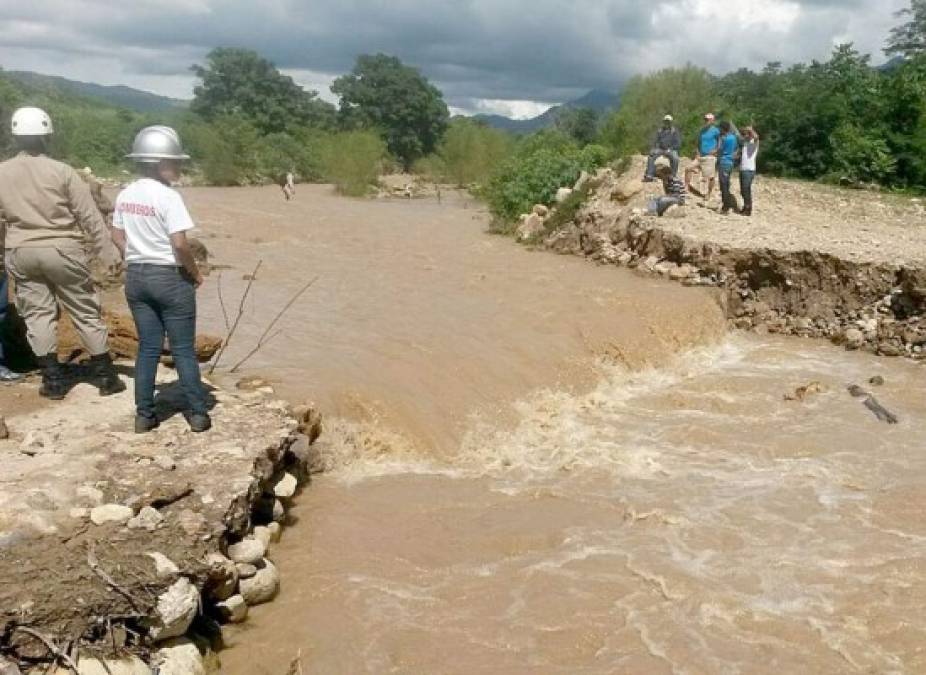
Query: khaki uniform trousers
45,277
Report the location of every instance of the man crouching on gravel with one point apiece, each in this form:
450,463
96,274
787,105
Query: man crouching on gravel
149,228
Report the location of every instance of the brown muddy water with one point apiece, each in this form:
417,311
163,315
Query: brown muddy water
540,466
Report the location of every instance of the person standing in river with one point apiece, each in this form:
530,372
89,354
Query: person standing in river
149,229
750,154
50,220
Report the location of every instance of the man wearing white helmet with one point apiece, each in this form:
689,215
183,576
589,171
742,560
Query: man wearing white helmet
149,228
50,221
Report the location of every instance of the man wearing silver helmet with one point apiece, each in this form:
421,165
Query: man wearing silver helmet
149,228
50,220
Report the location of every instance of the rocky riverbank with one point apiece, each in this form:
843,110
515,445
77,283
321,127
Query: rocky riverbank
128,552
814,261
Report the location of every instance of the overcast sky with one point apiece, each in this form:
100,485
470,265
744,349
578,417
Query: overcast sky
515,57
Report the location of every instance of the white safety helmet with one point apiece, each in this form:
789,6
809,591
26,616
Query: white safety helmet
31,122
152,144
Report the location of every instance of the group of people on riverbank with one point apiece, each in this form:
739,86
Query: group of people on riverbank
51,230
717,150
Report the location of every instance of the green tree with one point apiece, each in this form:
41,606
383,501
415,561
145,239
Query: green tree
579,123
241,83
471,151
685,93
382,93
909,38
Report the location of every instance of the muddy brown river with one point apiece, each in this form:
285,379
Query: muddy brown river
542,466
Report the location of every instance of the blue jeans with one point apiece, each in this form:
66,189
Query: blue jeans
724,174
746,179
655,154
163,302
4,305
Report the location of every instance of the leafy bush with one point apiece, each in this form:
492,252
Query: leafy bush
534,175
470,152
860,157
352,160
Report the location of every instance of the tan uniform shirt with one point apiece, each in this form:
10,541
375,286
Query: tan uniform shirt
44,202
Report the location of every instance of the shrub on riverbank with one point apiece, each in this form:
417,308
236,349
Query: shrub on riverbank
353,160
541,165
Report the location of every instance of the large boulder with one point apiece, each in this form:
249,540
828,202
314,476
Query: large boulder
177,607
530,227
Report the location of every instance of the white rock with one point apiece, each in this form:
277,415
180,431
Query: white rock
233,610
223,576
531,226
541,210
263,586
248,551
179,657
130,665
147,519
262,534
8,667
165,462
90,495
79,513
177,608
110,513
276,532
279,511
563,194
245,571
286,488
164,567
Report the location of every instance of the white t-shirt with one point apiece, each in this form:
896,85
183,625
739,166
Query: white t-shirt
750,154
149,212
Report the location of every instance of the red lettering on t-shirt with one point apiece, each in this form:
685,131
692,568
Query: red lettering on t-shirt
137,209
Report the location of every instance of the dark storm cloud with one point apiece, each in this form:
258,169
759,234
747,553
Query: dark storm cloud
544,50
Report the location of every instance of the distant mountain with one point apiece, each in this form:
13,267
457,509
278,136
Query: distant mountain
597,99
120,96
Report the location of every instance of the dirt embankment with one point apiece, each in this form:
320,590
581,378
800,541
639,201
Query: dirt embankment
814,261
118,550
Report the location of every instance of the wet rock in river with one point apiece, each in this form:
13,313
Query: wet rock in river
222,581
179,657
233,610
263,586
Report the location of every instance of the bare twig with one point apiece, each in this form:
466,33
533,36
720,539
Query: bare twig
231,331
295,666
263,340
222,303
95,567
53,649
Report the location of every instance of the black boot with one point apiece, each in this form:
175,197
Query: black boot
103,374
54,383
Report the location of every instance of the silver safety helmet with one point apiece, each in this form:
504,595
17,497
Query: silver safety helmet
152,144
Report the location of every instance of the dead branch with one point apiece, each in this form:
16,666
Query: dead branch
295,666
95,567
231,331
218,285
263,339
53,649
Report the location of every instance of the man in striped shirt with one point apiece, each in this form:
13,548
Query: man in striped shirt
674,187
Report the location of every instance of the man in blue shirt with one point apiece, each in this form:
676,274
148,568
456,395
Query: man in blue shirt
727,149
705,157
667,143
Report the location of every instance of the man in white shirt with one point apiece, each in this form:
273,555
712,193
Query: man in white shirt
149,227
750,153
